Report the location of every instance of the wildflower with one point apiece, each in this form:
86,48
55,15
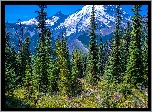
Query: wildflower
117,96
54,92
81,80
67,99
146,94
101,77
98,97
47,94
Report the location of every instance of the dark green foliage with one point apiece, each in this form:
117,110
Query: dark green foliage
124,48
65,49
44,64
20,66
26,49
107,47
52,77
76,66
35,71
41,66
101,59
62,68
145,51
10,79
92,68
10,75
134,73
23,53
66,68
84,65
113,70
22,56
7,49
41,19
58,50
82,62
145,61
28,80
74,80
13,58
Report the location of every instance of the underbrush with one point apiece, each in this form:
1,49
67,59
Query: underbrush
102,96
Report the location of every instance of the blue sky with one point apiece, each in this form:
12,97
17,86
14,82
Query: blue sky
26,12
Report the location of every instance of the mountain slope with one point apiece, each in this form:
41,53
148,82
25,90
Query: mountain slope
77,24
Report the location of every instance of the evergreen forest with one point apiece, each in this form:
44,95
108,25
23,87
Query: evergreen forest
53,78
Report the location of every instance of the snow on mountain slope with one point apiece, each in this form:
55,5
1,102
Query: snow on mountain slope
78,23
30,22
48,21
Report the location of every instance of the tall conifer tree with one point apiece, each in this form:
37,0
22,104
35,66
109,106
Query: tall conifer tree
145,51
65,49
134,73
75,83
113,68
124,50
43,56
10,75
92,68
62,69
101,59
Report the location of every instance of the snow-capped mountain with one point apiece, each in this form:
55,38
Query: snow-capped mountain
77,24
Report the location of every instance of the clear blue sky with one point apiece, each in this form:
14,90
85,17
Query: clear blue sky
26,12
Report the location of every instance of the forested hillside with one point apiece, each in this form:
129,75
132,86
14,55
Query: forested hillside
115,76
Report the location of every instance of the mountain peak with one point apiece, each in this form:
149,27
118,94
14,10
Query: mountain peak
78,23
59,13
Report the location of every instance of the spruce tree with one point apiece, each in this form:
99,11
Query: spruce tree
23,52
24,56
20,66
10,79
36,77
145,51
124,50
92,68
52,76
81,65
10,75
84,65
61,67
7,50
75,83
28,79
44,68
101,59
66,64
145,60
13,59
113,68
41,54
26,50
82,61
65,49
134,72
